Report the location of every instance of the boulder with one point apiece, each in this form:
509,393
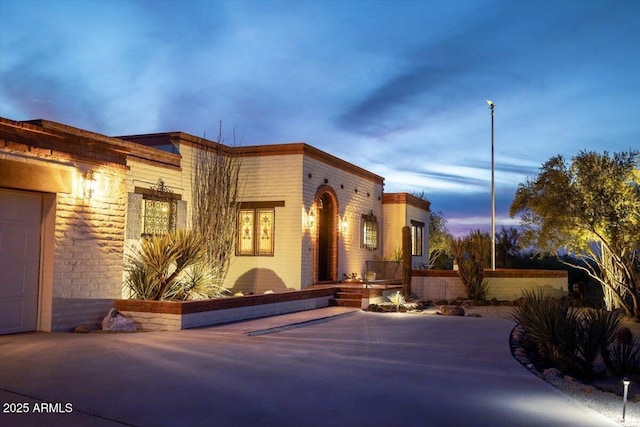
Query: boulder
551,372
115,321
451,310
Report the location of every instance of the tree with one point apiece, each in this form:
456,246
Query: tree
507,246
591,208
439,236
215,193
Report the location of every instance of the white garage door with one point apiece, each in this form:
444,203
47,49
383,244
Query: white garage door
20,219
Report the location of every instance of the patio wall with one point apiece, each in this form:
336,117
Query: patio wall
503,284
177,315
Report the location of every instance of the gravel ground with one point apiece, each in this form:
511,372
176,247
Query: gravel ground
608,404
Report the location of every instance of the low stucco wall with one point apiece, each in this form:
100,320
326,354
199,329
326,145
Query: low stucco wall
504,284
177,315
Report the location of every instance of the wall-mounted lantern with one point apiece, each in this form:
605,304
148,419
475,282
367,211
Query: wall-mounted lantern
88,184
311,218
343,224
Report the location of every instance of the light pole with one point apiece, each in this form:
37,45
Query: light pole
492,106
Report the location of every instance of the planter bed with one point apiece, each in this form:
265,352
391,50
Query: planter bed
177,315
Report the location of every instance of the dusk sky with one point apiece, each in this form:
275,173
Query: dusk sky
396,87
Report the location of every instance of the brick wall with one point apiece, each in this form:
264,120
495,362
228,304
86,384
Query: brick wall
89,239
357,194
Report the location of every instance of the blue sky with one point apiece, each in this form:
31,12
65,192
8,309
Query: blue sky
397,87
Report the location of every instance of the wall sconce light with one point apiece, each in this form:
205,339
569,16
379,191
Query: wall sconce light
89,184
311,218
343,225
625,382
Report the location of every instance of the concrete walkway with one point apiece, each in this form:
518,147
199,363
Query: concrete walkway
303,369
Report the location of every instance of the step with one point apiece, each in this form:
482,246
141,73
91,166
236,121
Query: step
346,303
348,295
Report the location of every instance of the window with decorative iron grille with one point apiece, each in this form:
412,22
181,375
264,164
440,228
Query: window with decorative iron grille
369,232
417,238
255,232
159,210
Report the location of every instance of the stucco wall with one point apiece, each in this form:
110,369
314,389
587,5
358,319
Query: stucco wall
272,179
357,194
502,284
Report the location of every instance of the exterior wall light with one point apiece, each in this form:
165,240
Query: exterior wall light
625,381
343,225
89,184
311,218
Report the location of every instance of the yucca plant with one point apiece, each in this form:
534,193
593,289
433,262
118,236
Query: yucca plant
595,333
397,299
625,358
168,267
551,324
570,338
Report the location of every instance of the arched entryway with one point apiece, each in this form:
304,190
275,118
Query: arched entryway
327,237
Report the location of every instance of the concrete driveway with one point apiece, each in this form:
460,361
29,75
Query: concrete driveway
360,369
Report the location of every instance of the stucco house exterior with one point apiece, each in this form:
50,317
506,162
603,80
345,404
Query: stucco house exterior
72,200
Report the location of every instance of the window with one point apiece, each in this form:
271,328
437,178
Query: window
255,232
159,209
369,232
159,216
417,238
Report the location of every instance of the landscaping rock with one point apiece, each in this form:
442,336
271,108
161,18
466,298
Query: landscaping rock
451,310
551,372
115,321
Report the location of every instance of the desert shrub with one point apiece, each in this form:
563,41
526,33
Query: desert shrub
471,253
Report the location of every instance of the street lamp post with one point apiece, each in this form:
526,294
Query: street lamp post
492,106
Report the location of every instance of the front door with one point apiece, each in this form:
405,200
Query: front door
20,225
326,238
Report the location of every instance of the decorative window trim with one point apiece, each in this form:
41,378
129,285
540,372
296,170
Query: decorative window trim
369,232
417,238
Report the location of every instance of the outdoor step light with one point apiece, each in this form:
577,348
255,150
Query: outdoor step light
625,381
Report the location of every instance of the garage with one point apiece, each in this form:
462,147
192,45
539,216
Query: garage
20,241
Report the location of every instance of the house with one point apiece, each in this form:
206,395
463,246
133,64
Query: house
71,201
